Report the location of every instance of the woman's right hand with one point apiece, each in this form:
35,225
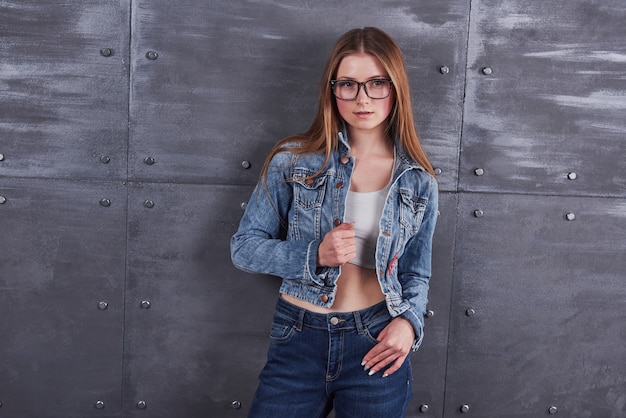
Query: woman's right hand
338,246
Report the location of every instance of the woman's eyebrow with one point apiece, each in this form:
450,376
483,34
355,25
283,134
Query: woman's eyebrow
374,77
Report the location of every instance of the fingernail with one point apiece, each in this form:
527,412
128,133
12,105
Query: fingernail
363,363
366,368
385,375
371,372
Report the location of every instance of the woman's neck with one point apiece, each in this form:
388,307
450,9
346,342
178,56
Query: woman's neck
373,162
371,143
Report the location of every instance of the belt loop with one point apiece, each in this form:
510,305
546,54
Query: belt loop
300,321
359,324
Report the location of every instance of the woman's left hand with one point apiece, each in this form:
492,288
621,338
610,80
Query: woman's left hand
394,345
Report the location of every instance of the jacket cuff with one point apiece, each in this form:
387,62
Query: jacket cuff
311,267
418,327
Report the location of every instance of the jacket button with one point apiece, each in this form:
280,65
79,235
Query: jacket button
344,160
309,181
339,185
336,222
324,298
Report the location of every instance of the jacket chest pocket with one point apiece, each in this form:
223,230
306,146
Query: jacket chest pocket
309,192
412,208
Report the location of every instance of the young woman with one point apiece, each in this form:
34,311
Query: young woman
345,215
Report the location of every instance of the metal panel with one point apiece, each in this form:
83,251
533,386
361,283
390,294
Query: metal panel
61,298
200,343
528,305
429,362
216,84
538,307
64,89
553,101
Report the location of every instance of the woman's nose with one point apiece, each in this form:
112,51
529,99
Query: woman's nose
361,95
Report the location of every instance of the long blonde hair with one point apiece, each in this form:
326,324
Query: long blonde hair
322,136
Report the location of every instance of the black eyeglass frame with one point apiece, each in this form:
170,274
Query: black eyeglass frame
358,88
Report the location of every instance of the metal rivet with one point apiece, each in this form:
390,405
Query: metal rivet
149,204
429,313
106,52
103,306
3,200
470,312
1,157
149,161
105,159
487,71
141,405
423,408
105,202
479,172
243,205
438,171
99,405
465,408
236,404
572,176
145,304
570,216
152,55
246,164
444,70
553,410
479,213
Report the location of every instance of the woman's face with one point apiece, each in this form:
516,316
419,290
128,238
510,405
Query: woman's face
364,115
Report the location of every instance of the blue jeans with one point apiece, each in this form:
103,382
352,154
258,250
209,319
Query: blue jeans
314,365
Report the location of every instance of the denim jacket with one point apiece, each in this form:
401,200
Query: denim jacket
285,222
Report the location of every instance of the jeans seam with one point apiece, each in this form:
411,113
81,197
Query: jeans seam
338,354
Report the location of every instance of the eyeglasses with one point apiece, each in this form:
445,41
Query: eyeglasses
378,88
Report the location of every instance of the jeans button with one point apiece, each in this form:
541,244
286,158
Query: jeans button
334,320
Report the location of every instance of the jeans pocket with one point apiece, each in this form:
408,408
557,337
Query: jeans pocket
282,329
373,329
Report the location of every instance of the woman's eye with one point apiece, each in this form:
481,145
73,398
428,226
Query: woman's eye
346,84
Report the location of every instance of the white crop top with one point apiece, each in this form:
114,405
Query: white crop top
365,210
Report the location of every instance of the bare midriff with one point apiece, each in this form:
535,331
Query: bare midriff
357,288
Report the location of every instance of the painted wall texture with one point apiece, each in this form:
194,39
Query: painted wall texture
131,133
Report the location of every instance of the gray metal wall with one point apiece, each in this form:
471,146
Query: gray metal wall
131,132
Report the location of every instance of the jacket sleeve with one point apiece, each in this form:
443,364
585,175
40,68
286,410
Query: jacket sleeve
414,267
260,244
